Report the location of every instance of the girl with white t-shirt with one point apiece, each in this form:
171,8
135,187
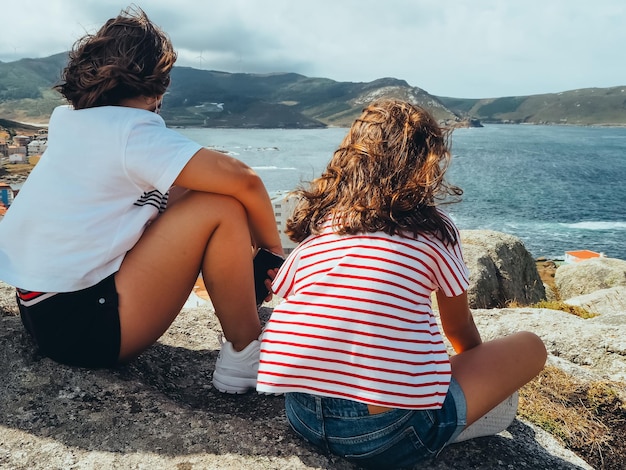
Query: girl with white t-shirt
111,229
355,345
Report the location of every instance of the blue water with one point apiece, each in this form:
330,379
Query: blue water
557,188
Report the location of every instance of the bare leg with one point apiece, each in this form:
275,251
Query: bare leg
492,371
201,231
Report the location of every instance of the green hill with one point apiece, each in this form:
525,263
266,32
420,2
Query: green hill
219,99
588,106
288,100
25,88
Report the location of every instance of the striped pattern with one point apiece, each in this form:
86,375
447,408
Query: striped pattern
357,321
153,198
30,298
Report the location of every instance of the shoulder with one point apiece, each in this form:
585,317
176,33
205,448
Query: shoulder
112,115
445,216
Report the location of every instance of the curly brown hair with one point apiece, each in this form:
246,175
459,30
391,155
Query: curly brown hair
387,175
128,57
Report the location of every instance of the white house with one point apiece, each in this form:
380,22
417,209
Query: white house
18,158
581,255
283,204
37,147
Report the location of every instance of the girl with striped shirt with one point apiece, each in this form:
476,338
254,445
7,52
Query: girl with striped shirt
356,346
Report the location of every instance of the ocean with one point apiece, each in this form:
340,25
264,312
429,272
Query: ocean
557,188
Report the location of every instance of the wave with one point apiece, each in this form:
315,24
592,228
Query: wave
249,148
597,225
271,167
232,153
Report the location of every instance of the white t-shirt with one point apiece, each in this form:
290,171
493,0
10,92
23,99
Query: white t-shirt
104,176
357,321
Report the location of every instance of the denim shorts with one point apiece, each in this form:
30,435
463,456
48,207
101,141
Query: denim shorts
79,328
397,438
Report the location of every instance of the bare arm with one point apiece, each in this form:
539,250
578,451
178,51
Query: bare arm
175,193
214,172
458,322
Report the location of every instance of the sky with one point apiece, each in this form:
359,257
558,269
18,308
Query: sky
453,48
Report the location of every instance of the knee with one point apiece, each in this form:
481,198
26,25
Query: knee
535,348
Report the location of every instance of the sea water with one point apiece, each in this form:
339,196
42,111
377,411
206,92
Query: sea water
557,188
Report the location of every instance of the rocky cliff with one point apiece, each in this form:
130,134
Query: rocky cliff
161,412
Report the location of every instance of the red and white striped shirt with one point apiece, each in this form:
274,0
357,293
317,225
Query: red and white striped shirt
357,321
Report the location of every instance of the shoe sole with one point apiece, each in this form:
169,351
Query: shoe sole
240,386
239,390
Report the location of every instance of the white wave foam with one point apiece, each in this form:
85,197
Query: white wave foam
597,225
249,148
232,153
266,168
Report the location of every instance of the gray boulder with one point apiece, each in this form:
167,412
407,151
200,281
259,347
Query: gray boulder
589,276
605,302
597,345
501,270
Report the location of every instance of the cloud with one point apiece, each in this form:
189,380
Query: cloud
461,48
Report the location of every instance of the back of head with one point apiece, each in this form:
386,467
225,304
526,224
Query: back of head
398,145
128,57
387,175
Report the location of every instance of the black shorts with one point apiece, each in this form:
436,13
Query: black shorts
79,328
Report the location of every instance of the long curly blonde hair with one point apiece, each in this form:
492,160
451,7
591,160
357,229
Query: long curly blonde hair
128,57
387,175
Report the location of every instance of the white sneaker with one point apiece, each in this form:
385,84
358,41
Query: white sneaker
495,421
236,371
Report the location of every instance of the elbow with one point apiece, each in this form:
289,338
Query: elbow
252,182
249,185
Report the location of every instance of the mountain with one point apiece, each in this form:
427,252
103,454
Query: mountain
25,88
587,106
219,99
289,100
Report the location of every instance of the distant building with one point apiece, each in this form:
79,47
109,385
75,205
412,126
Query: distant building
18,158
6,195
16,188
283,205
572,257
21,140
198,296
37,147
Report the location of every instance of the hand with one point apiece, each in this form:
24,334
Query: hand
268,283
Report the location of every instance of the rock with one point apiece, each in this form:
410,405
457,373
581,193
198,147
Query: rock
502,270
160,411
605,302
7,300
522,445
551,294
589,276
597,344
